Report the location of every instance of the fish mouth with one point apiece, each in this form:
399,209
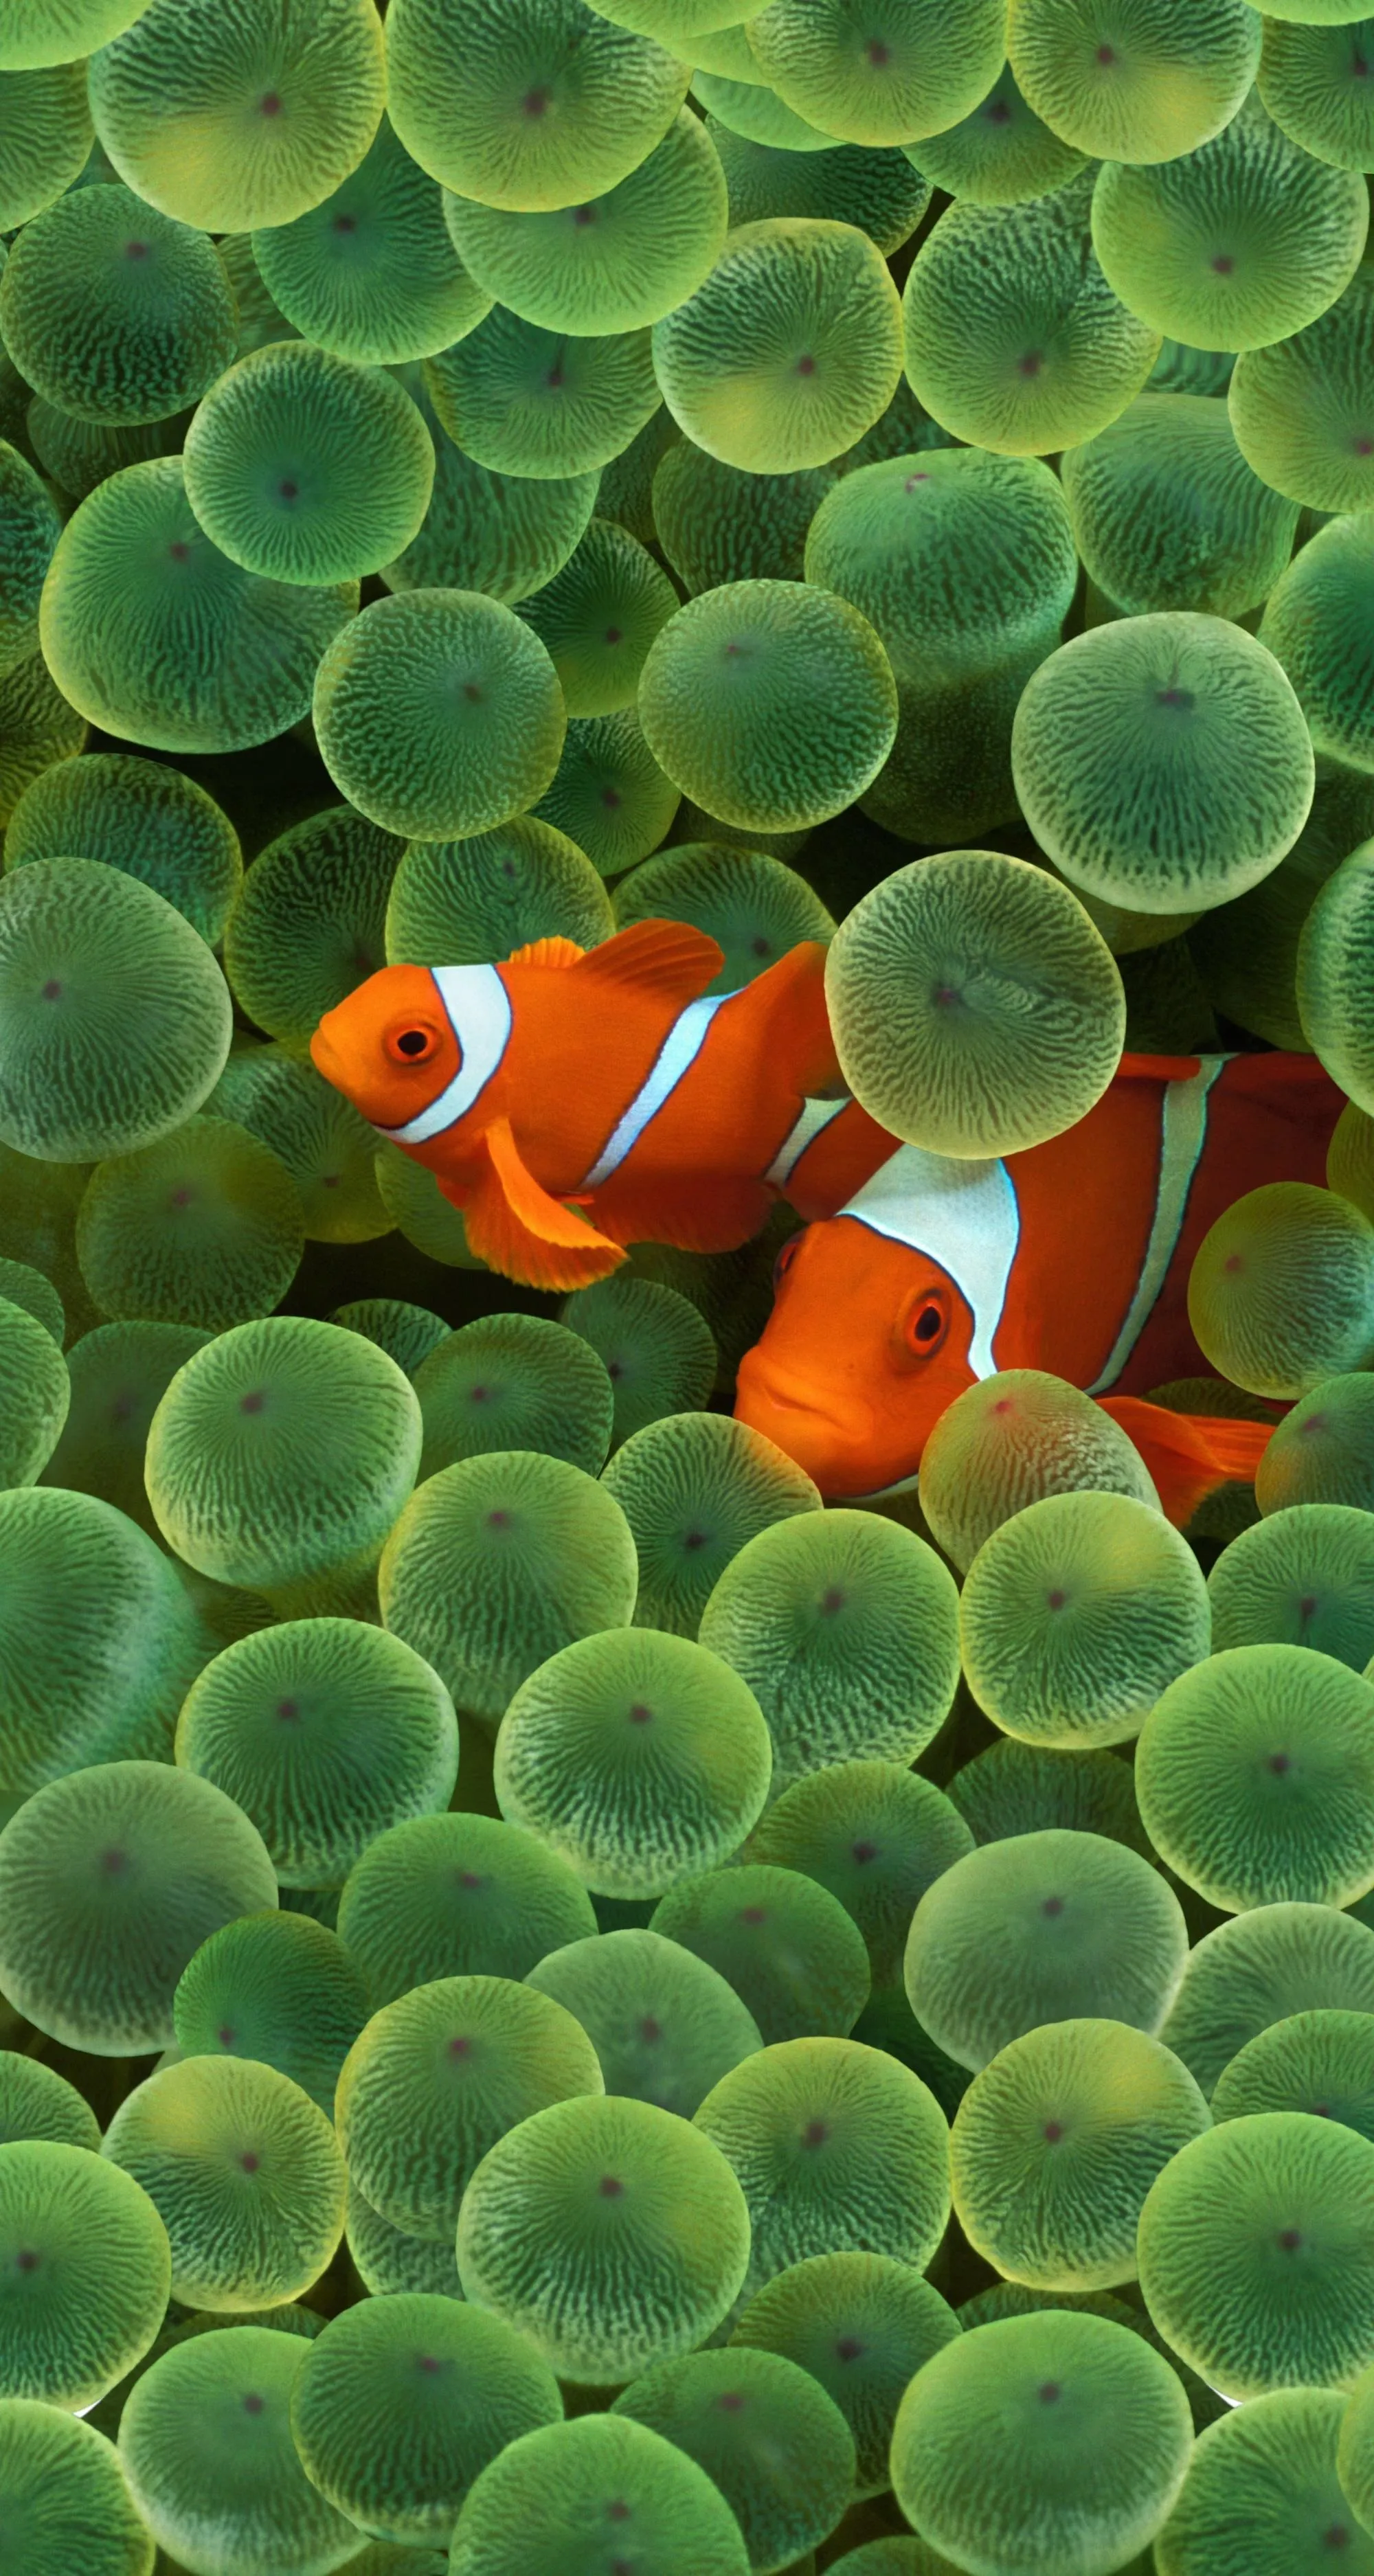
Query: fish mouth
326,1059
828,1441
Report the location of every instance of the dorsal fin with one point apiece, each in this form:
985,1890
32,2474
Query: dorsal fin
1158,1068
666,958
553,951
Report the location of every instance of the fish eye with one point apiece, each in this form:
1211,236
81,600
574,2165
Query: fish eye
413,1043
925,1323
784,1261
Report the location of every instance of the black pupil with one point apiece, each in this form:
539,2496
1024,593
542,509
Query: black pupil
927,1323
412,1041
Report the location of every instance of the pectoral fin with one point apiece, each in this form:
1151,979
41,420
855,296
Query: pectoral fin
517,1228
1189,1454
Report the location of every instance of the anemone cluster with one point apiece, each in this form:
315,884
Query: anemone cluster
569,2007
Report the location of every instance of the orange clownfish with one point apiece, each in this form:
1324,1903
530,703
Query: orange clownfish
1072,1257
573,1101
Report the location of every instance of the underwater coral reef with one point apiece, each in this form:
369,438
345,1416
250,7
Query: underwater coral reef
686,1288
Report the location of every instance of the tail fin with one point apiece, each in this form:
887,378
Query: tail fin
1189,1454
792,992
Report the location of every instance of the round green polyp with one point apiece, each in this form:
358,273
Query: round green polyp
116,1019
439,714
154,634
790,349
543,2505
1014,339
231,113
770,703
139,815
1037,1035
604,2283
1163,762
205,2441
462,74
371,273
306,468
1131,83
1280,2297
110,1879
1234,245
1044,2442
113,312
65,2501
282,1450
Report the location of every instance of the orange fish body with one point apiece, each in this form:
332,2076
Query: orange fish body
1072,1257
571,1102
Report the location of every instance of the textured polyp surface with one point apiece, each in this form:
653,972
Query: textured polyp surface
116,1017
548,2498
1261,1968
498,1562
541,104
1127,754
1014,339
1043,2442
458,1895
139,815
844,1627
863,2325
110,1879
615,263
245,2172
64,2497
1056,2143
788,352
1234,245
1010,1440
976,1009
1126,84
665,2025
611,2234
230,113
1075,1616
307,468
1255,2256
85,2273
371,273
641,1758
1255,1775
1267,2493
156,635
402,2402
439,714
885,75
775,2443
835,2146
438,2076
114,312
205,2442
1051,1926
770,703
1281,1292
1170,510
282,1450
326,1732
98,1639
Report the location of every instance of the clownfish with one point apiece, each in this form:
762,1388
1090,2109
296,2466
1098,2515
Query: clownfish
1072,1257
571,1101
